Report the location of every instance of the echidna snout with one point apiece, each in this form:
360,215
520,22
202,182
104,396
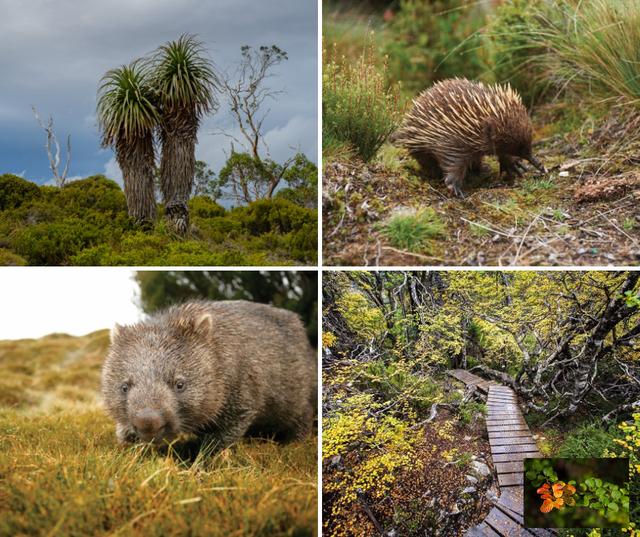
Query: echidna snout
457,122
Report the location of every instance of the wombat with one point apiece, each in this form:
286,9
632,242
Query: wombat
217,369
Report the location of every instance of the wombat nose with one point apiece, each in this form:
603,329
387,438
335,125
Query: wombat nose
148,421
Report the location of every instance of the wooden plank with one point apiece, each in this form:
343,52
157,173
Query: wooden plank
509,467
504,524
542,532
502,428
514,448
491,420
512,457
512,498
511,440
518,517
498,423
505,480
497,416
509,434
483,530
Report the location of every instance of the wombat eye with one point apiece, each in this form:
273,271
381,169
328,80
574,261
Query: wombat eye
124,388
180,385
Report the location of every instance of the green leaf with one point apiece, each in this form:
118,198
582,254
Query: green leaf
548,472
616,494
613,507
531,475
596,505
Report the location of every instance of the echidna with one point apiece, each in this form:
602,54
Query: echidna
456,122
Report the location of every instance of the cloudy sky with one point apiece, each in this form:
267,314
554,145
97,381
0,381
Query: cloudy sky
53,53
41,301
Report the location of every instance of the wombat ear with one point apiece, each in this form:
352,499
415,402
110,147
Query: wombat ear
203,323
116,331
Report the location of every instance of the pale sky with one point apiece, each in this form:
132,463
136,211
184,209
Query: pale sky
38,301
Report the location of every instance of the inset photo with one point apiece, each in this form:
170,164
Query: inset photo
158,403
463,132
179,133
480,403
576,493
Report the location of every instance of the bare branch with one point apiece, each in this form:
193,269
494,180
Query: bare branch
52,141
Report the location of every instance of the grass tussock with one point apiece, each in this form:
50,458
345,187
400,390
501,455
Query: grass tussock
62,472
411,231
594,47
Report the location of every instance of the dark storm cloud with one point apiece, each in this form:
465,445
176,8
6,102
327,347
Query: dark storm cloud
53,53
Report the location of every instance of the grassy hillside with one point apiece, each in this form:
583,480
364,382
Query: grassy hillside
86,223
62,472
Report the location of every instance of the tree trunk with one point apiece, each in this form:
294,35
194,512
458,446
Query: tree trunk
137,162
177,169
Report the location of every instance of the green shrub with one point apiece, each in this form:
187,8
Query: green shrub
9,259
273,215
590,440
470,410
14,191
429,41
205,207
218,229
55,243
412,231
96,193
359,108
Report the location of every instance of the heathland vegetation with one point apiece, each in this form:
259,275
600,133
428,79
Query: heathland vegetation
575,64
149,113
405,445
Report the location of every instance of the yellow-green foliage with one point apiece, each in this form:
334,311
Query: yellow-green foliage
630,448
398,381
441,337
86,223
328,339
363,319
385,445
64,474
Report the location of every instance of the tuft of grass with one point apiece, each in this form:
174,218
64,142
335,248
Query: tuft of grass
592,48
359,108
531,185
412,231
62,472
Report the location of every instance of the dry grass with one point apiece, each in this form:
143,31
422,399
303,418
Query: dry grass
62,473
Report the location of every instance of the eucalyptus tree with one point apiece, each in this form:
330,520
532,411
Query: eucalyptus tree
128,117
185,82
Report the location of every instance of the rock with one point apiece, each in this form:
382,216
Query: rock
469,490
471,479
479,469
492,496
455,509
335,461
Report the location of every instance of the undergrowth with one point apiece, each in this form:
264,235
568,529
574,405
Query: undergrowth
86,223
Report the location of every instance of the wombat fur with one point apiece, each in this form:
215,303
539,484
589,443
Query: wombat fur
217,369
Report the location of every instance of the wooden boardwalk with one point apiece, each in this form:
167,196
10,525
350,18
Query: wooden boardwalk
511,442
